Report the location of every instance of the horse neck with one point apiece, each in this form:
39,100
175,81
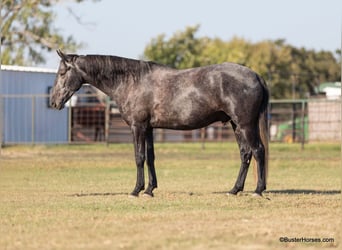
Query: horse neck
113,75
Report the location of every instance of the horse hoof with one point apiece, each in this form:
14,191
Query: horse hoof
256,195
231,194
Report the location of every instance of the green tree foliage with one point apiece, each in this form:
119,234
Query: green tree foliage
180,51
291,72
27,31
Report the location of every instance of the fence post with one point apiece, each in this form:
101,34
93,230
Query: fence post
107,121
1,107
33,119
203,130
1,120
294,121
69,124
303,124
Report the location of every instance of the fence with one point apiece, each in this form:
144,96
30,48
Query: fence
327,126
28,119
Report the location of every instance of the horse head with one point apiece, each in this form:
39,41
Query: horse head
69,79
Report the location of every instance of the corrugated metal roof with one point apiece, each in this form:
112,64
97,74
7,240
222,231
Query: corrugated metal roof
27,69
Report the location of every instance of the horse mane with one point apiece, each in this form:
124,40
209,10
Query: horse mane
115,68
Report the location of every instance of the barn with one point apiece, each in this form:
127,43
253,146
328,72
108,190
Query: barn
27,118
24,110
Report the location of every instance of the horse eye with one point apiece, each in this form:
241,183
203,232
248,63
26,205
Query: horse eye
63,70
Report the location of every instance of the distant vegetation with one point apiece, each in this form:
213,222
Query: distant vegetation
284,66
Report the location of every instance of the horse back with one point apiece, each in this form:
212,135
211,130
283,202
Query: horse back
194,98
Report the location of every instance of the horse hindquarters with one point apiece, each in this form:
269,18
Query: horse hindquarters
252,138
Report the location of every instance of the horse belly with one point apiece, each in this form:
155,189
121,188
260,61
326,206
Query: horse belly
186,116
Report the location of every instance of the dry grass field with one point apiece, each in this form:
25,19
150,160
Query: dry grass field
75,197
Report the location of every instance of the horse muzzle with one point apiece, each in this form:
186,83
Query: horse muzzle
55,105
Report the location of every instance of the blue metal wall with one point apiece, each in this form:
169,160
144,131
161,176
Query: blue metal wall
25,112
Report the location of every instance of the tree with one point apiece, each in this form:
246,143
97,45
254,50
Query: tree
27,31
285,67
180,51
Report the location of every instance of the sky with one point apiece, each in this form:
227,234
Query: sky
124,28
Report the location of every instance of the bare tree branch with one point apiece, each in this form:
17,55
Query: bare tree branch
79,20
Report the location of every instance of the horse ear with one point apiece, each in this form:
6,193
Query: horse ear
67,59
63,56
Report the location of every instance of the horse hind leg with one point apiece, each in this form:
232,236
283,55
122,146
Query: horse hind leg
259,155
245,155
252,137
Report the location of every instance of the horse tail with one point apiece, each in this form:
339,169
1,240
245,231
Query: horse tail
263,127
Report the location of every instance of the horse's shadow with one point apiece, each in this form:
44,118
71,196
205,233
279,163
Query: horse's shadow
291,192
283,191
96,194
303,191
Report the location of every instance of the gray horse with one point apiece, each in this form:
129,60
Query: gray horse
150,95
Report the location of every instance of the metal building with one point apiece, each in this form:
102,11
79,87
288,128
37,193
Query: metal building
25,115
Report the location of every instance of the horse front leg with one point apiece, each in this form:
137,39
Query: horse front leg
139,135
152,177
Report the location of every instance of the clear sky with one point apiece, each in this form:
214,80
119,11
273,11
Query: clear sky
124,27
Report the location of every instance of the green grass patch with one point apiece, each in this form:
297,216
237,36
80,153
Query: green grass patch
72,197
